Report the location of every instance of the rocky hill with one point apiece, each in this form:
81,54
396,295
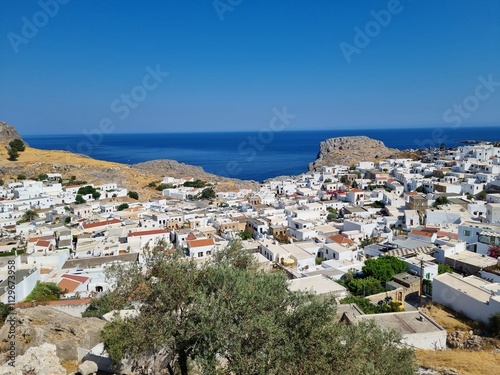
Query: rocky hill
8,133
33,162
350,150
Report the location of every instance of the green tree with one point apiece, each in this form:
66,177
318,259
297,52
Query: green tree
30,215
384,268
440,201
17,144
89,190
133,195
365,286
443,268
208,193
13,154
226,317
363,303
195,184
162,187
79,199
43,292
481,195
122,207
420,189
21,177
245,235
105,304
332,217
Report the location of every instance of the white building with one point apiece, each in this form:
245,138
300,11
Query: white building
475,298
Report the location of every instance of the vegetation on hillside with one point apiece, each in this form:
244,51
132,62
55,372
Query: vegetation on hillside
16,146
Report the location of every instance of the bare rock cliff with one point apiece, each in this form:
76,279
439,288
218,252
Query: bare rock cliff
8,133
350,150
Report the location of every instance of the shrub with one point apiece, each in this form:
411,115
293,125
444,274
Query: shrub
133,195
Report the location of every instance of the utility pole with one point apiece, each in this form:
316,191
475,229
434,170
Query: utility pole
421,279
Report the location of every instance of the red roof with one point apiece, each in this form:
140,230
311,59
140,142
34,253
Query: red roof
101,223
80,279
421,233
35,239
448,234
341,240
68,286
191,236
411,193
356,190
43,243
201,242
148,232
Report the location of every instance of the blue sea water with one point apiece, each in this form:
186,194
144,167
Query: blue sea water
245,155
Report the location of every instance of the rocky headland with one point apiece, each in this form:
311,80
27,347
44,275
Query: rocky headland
350,150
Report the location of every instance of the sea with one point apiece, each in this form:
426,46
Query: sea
255,155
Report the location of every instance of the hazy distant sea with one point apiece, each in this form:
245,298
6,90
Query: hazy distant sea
245,155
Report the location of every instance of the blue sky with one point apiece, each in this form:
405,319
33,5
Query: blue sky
66,66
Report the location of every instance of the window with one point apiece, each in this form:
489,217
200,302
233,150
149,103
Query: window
200,254
466,233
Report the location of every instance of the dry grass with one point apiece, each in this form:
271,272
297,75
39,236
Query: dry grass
33,162
70,366
449,320
465,362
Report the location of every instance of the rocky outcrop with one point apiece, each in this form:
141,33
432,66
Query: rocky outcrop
38,325
165,167
464,340
350,150
38,360
173,168
8,133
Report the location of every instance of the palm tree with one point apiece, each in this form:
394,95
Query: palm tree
30,215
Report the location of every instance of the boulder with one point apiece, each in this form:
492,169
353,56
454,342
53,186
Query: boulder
42,324
87,368
38,360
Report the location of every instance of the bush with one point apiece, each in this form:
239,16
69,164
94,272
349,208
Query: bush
495,324
44,292
195,184
79,199
122,207
5,310
161,187
208,193
133,195
13,154
443,268
17,144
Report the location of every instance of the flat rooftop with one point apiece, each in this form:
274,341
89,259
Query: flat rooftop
475,259
316,284
406,322
472,286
